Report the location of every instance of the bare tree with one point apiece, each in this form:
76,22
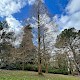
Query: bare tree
39,19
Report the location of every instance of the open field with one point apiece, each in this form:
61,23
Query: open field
26,75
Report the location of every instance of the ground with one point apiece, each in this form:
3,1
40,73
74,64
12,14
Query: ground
26,75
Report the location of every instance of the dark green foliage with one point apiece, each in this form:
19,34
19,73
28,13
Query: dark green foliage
1,27
58,71
67,33
29,27
66,37
31,67
5,36
5,45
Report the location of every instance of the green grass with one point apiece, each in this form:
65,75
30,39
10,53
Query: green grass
26,75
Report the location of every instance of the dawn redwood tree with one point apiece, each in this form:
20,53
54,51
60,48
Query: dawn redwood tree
39,10
27,49
39,19
24,54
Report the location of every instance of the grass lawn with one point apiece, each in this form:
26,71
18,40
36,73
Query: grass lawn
26,75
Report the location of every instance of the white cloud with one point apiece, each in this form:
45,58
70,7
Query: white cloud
10,7
14,24
72,18
73,6
31,2
7,9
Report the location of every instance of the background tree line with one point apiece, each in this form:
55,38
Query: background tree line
65,60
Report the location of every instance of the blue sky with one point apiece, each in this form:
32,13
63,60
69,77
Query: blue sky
53,6
56,6
65,12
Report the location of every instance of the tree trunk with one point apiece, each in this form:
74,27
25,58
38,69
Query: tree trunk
23,66
40,69
39,43
46,68
23,63
75,61
46,64
70,69
39,53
